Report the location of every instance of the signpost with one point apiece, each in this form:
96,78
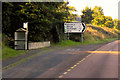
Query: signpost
25,25
75,28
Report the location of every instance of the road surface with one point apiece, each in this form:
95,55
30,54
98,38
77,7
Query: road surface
77,62
102,63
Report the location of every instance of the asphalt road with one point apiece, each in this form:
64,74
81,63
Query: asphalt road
102,63
75,62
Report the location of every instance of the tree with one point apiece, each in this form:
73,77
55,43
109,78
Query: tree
98,16
119,24
87,15
66,12
115,22
108,22
11,20
42,18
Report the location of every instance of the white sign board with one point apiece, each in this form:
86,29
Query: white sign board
25,25
74,27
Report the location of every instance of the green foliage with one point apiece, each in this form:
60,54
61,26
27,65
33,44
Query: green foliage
98,16
87,15
119,24
67,43
42,18
109,21
115,22
11,20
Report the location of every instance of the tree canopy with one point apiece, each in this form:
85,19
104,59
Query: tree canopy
96,16
87,15
42,17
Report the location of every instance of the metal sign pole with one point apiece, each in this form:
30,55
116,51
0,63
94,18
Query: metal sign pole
81,38
68,36
75,28
27,36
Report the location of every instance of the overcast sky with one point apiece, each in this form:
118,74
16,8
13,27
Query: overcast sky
110,7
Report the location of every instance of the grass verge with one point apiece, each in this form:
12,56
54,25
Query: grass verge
73,43
8,52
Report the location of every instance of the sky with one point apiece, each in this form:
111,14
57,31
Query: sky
110,7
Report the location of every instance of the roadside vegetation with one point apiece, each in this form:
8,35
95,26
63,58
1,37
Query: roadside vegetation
96,16
46,22
8,52
93,35
73,43
96,33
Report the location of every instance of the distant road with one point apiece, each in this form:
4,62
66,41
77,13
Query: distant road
74,62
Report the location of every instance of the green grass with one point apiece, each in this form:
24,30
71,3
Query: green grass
67,43
73,43
8,52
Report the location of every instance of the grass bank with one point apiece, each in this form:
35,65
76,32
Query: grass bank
8,52
94,34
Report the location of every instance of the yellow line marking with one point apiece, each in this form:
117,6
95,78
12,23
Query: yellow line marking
110,52
61,76
69,70
72,67
83,59
100,52
80,61
86,56
75,65
65,73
